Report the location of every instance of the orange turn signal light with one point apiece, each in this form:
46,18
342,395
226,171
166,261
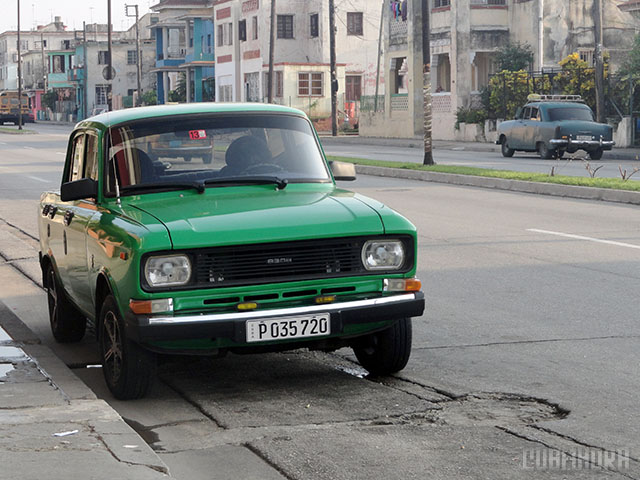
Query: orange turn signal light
322,299
247,306
147,307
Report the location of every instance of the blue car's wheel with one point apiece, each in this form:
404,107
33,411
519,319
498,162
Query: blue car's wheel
504,148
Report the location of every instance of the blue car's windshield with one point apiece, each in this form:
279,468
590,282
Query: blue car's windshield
570,113
192,149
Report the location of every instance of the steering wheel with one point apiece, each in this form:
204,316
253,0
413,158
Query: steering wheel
263,168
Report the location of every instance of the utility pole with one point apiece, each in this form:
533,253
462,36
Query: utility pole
599,67
426,85
272,47
19,74
334,80
138,56
375,99
85,112
109,75
44,67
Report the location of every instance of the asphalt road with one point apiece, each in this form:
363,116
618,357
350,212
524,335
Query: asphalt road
462,155
528,347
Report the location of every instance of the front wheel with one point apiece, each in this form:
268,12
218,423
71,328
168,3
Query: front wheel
67,323
504,148
387,351
128,369
545,152
596,154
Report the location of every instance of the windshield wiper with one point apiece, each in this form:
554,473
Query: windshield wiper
197,185
280,183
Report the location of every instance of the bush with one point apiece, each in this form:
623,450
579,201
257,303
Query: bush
469,115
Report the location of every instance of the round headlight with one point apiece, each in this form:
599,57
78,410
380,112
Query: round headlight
383,255
167,271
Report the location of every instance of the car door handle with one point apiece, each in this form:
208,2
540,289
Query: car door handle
68,216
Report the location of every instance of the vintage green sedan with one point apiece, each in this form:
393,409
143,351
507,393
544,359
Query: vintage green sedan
553,125
254,249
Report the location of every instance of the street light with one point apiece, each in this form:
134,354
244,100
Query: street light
138,59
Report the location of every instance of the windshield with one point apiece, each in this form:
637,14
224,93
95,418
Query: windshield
570,113
216,149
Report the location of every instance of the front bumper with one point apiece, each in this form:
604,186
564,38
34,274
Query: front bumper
582,144
144,329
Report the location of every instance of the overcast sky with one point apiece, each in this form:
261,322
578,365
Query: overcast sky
73,13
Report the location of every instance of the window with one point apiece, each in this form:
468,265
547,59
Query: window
313,25
225,93
24,45
132,57
57,64
277,84
310,84
252,86
242,30
77,159
354,23
220,41
254,22
103,57
91,159
102,92
285,26
354,88
441,3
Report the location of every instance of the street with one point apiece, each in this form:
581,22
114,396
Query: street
528,345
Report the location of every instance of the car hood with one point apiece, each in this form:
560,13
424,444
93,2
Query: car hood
259,214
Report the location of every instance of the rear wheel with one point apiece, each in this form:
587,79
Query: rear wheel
207,159
544,151
128,369
387,351
504,148
67,323
596,154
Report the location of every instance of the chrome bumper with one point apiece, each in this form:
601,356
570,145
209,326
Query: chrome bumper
561,142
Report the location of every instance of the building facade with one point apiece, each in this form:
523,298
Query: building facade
465,36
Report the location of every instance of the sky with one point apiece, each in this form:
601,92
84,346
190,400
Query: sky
73,13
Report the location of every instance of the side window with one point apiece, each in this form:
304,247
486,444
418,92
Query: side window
533,115
77,159
526,114
91,159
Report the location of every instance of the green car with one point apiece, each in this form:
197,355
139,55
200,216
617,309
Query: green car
553,125
255,251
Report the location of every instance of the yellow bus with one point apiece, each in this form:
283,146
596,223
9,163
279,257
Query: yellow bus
9,109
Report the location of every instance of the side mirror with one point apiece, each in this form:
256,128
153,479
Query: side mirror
79,189
343,171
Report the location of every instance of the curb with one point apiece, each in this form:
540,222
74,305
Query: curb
568,191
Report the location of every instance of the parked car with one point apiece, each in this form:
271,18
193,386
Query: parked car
257,251
553,125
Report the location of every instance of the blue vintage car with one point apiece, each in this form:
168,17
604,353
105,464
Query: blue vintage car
553,125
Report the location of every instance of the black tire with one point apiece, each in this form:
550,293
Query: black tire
596,154
186,159
504,148
560,154
129,370
544,151
67,323
207,159
387,351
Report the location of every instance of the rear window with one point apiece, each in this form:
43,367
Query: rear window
570,113
192,148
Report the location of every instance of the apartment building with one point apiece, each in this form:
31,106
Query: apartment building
301,57
465,35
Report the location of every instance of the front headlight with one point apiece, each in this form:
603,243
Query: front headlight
167,271
383,255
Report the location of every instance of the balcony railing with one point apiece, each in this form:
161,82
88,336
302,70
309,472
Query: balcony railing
489,2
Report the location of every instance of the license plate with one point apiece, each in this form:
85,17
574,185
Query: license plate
288,327
583,138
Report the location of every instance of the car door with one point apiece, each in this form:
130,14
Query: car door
531,128
77,215
516,139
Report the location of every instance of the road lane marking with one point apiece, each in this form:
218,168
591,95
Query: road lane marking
61,153
28,148
580,237
38,179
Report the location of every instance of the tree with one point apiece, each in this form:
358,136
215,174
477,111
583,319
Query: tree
632,64
578,78
150,97
515,57
180,93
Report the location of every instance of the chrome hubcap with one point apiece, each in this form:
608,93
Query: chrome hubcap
112,347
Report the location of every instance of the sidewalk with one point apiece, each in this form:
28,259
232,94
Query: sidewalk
417,142
58,429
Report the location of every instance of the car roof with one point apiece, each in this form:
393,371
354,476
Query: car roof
116,117
557,104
